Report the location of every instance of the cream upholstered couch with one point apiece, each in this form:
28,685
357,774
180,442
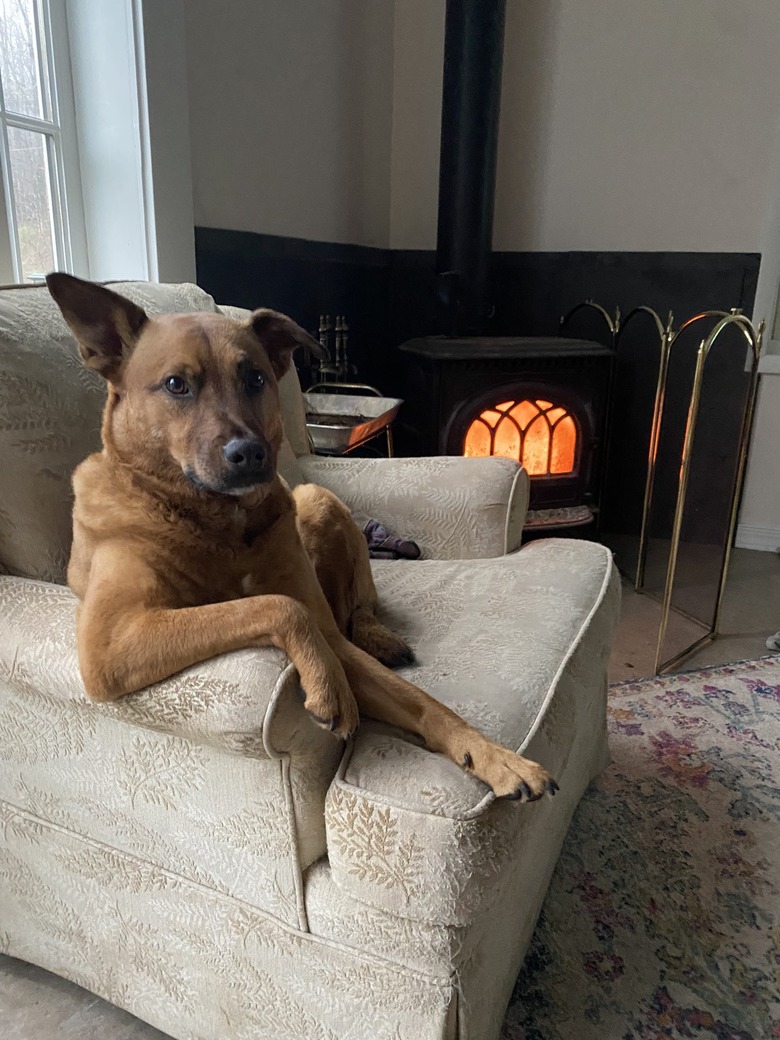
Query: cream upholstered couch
200,853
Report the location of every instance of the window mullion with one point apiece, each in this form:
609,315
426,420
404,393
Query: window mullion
38,126
9,251
44,59
62,249
10,206
68,184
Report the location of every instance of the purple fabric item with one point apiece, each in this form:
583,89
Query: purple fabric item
385,546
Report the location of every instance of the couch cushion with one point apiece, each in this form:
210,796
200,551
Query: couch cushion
516,645
50,408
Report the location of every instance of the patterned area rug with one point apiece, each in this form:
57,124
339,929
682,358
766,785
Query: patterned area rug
663,917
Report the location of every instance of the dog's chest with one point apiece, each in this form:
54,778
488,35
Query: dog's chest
231,573
260,572
250,553
268,561
245,566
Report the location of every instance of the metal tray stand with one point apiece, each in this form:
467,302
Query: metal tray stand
339,423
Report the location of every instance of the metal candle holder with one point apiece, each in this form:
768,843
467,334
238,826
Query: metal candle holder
334,338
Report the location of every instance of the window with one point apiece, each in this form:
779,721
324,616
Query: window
95,172
40,172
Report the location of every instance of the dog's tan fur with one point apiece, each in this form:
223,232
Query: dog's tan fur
173,564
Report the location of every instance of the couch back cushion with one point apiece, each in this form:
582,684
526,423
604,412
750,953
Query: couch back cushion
50,409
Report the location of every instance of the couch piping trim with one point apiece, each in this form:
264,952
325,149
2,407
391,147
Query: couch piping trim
573,647
508,523
286,675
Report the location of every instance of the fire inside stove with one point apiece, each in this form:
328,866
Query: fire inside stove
540,434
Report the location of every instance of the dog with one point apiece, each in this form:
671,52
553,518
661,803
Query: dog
187,543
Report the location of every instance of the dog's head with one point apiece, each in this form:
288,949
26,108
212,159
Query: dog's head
189,394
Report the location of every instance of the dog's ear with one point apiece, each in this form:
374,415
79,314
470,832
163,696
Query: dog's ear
106,325
280,336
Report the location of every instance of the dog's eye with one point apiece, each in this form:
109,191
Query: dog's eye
176,385
255,380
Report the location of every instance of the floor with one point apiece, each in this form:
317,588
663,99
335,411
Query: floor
751,613
35,1005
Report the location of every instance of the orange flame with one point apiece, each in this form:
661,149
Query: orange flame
541,436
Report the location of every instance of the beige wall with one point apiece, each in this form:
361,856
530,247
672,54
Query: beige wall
418,56
625,125
759,518
650,126
638,126
290,116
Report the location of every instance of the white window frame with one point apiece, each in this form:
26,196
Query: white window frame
123,185
58,128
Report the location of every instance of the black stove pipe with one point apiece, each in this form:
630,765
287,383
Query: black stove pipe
471,100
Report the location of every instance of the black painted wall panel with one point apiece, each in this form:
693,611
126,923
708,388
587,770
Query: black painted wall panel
389,296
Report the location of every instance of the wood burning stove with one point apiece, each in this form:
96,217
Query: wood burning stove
542,401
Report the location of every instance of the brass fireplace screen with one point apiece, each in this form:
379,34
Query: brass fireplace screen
687,575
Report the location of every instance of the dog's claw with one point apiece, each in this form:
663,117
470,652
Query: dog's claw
400,658
406,658
524,793
330,724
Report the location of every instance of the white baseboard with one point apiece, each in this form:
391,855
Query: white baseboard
767,539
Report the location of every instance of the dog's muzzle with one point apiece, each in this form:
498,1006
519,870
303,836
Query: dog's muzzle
246,455
247,462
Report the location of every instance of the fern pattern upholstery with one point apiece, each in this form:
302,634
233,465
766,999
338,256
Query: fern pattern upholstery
202,855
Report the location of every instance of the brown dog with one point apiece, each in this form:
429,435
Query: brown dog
187,543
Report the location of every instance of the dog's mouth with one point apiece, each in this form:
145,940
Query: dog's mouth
233,484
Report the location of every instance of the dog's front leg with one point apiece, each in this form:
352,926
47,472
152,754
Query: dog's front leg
383,695
124,646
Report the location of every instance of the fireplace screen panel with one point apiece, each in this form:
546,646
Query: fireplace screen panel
540,434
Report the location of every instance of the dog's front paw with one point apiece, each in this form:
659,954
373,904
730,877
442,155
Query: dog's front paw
331,703
508,774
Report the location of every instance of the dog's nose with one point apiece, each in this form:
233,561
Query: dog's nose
245,454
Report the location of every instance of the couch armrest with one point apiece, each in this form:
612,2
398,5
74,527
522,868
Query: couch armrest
454,508
241,710
519,646
237,702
